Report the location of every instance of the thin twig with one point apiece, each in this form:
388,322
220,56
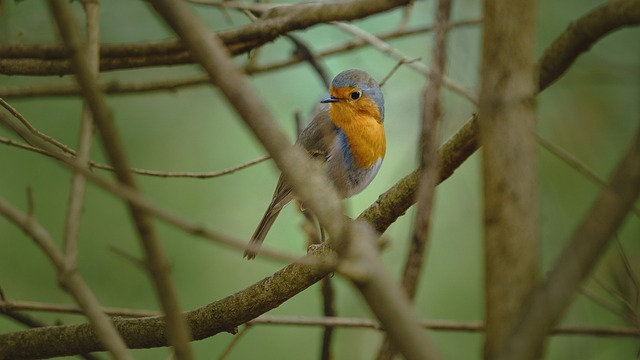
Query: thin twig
187,174
78,182
236,340
602,301
33,130
439,325
572,161
394,69
22,305
169,216
415,65
148,172
429,176
70,279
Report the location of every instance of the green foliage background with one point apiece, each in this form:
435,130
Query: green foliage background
591,112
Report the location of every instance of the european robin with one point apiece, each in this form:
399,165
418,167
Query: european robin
347,135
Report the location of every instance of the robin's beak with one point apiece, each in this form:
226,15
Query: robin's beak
330,99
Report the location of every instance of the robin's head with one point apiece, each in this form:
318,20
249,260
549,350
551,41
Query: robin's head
355,91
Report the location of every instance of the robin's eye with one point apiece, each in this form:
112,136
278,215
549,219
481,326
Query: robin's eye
356,95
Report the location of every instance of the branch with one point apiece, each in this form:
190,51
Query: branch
177,330
579,256
506,119
14,305
221,316
582,34
440,325
78,182
52,60
115,87
428,179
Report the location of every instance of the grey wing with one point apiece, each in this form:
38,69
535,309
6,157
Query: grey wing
319,136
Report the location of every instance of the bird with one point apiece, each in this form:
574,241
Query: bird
347,134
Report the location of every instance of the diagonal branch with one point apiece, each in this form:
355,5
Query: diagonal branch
177,330
579,256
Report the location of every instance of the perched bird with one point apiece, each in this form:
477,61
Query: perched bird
347,134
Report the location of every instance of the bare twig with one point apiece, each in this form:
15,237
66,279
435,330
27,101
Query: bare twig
187,174
302,51
32,135
177,330
440,325
571,160
429,176
156,173
21,305
76,196
236,340
415,65
394,69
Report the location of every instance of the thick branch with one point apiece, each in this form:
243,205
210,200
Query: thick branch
53,60
506,119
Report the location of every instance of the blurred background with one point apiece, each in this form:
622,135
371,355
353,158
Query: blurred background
591,112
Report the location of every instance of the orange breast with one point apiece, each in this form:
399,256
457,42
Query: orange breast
364,131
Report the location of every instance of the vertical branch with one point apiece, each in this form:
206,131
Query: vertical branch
177,332
76,197
578,258
429,174
507,122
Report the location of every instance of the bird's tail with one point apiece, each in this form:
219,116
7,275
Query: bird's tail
261,232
